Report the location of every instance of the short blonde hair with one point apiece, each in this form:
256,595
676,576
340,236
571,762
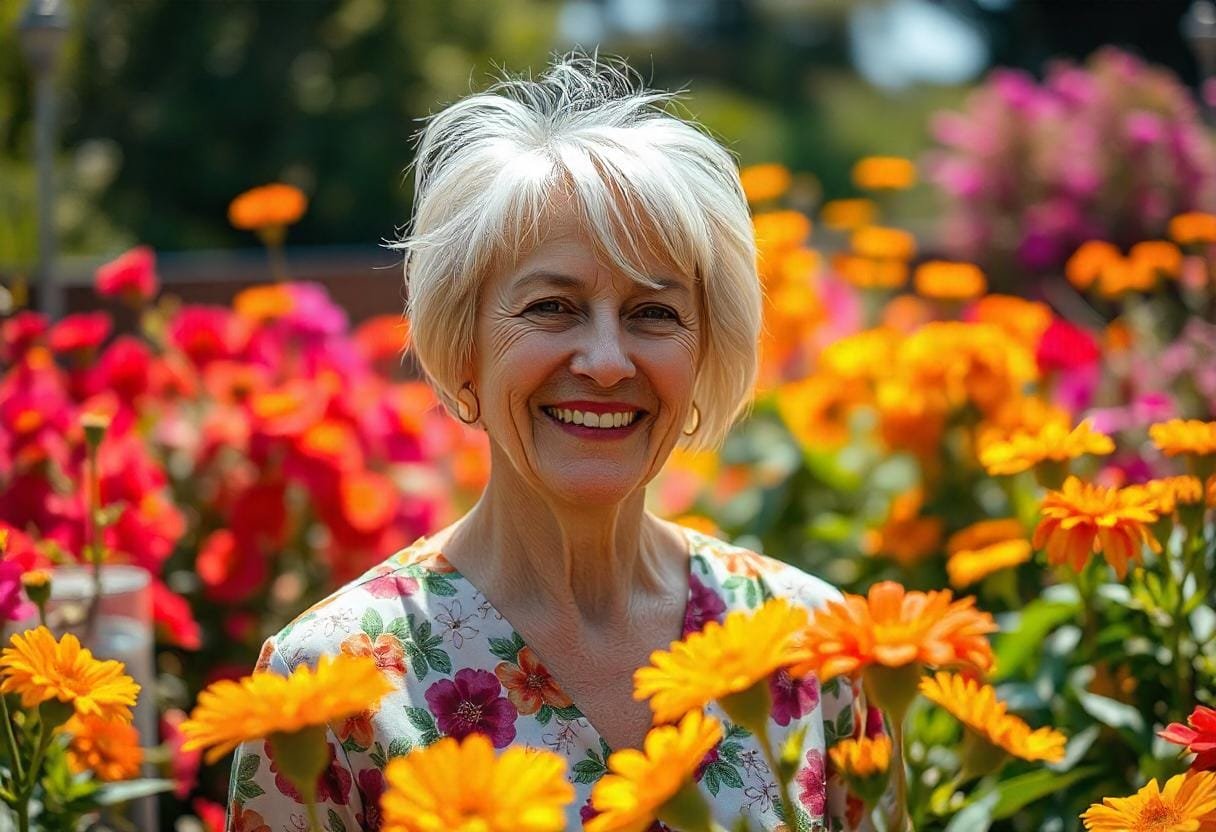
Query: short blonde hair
642,182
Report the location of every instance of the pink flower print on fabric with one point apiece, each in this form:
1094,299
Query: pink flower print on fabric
469,703
704,605
792,698
812,783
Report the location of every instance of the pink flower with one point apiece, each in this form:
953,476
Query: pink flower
13,607
183,764
812,783
131,276
82,332
704,606
469,703
792,698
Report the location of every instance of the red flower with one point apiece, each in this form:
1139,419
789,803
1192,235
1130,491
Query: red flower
183,764
1199,738
529,684
212,816
125,366
20,332
208,333
1065,346
173,617
80,333
231,570
132,276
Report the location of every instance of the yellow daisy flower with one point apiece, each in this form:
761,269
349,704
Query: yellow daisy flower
108,749
975,705
42,669
721,660
463,786
230,712
1186,804
862,757
639,783
1054,443
1184,436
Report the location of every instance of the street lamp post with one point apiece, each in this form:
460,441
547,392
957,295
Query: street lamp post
42,30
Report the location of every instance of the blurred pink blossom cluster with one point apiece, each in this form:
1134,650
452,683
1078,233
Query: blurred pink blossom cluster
1111,150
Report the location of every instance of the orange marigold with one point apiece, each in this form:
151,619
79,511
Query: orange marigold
268,206
880,243
1187,803
1171,492
884,173
780,229
1054,442
1025,320
1193,227
108,749
984,548
1158,257
1089,261
847,214
1184,436
1083,519
764,182
893,627
816,409
944,280
865,273
40,669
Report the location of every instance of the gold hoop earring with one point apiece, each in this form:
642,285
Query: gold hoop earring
696,421
468,409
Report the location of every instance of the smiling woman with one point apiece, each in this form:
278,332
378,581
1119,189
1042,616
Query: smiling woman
582,286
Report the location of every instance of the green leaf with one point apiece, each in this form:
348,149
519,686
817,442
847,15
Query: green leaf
1020,644
335,822
588,771
248,767
1017,792
418,663
398,628
975,816
112,793
726,772
844,724
428,738
436,585
569,713
247,790
505,648
729,751
399,747
439,661
710,781
372,623
424,631
752,594
420,718
831,687
1123,718
544,715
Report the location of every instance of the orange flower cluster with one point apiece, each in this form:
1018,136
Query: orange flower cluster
1053,442
944,280
848,214
1193,228
1184,436
975,705
268,206
762,183
1099,264
984,548
884,173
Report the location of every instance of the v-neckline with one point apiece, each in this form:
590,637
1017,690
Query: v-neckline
426,548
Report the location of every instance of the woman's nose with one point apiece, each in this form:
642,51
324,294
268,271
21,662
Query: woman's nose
604,356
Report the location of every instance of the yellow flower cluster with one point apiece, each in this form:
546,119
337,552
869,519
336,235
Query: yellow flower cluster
1053,442
41,669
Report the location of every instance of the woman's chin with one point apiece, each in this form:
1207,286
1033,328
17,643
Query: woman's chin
593,489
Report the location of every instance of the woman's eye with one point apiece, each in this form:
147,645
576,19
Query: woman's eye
546,307
658,313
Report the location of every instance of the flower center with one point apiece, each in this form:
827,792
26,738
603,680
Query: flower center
469,712
1157,817
536,681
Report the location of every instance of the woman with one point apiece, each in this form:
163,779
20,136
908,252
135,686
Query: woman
582,287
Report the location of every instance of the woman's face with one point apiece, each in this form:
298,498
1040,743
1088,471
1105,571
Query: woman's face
565,344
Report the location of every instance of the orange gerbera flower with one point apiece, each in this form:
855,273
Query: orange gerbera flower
268,206
529,684
893,627
943,280
1184,436
984,716
764,182
1082,519
1054,442
1186,804
41,669
1171,492
984,548
847,214
879,243
884,173
1193,228
108,749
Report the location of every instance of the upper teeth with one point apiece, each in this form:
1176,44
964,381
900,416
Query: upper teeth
593,420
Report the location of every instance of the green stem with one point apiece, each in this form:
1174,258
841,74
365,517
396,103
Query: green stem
23,815
10,740
28,784
900,821
314,822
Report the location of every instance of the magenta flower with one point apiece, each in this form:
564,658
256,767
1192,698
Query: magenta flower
371,788
132,276
704,606
469,703
792,698
12,606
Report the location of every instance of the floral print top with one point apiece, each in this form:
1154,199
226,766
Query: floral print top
458,667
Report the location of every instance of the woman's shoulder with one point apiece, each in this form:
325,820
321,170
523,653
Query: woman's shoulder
748,577
399,597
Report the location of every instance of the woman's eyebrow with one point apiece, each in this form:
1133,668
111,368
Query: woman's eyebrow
566,281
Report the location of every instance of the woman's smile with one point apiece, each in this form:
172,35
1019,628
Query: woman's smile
595,420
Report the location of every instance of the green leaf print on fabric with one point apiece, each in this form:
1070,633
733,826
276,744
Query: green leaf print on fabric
399,747
423,650
592,768
335,822
421,719
372,624
246,788
507,649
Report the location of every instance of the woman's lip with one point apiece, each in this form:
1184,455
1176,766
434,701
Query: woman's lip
594,407
601,434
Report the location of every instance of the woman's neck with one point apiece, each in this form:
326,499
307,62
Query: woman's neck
586,566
